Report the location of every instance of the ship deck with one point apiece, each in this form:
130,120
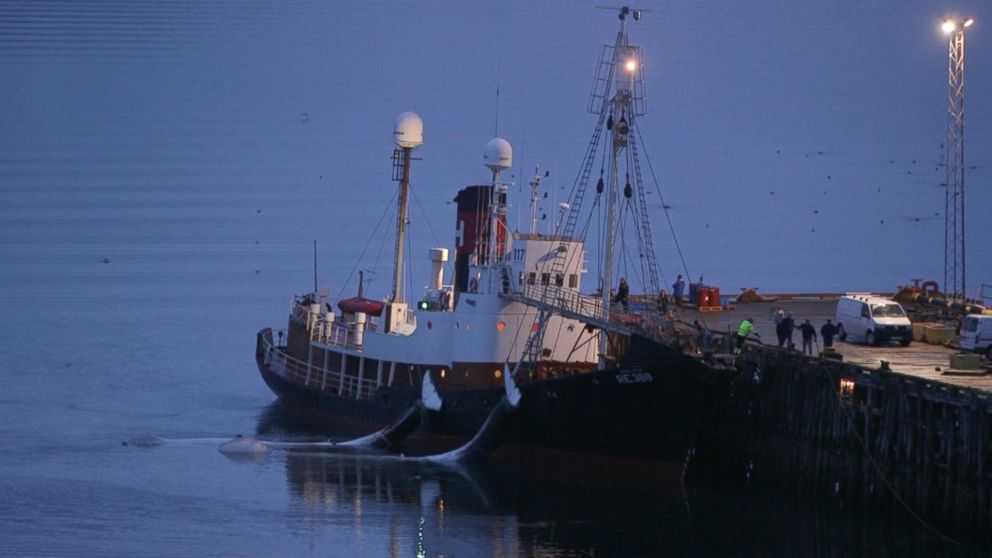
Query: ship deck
920,359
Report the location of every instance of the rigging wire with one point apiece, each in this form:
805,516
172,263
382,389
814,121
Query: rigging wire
600,234
437,241
624,257
641,223
671,226
389,232
358,260
664,207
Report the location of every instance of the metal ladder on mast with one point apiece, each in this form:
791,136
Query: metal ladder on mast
602,86
642,206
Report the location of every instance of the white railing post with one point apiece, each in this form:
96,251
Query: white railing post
361,373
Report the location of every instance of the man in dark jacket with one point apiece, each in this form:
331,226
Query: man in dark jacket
785,329
809,335
623,291
678,289
828,331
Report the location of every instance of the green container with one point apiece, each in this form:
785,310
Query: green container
966,361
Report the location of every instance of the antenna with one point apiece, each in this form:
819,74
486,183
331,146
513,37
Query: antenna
535,186
625,11
496,132
315,267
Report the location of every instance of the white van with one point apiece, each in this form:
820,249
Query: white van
873,320
976,334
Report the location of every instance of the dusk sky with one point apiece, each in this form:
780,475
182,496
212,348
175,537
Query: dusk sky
799,144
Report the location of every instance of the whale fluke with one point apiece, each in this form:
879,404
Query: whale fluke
490,435
512,391
429,395
397,431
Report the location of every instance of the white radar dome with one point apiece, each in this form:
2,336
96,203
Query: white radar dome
409,131
498,154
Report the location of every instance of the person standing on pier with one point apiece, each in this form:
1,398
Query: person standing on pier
828,331
746,328
809,334
779,330
779,316
663,302
788,325
623,291
678,289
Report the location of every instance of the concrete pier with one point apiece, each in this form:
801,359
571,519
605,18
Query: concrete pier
920,359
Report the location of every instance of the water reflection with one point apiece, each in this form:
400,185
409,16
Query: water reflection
499,510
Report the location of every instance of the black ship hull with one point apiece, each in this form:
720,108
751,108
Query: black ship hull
653,405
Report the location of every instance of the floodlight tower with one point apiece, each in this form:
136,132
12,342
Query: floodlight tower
954,260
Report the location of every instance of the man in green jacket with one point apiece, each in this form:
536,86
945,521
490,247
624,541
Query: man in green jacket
746,328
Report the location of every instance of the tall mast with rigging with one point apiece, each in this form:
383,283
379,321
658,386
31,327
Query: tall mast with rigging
408,134
617,99
622,81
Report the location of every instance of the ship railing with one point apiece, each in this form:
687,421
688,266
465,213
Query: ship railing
315,376
566,300
333,332
339,334
588,309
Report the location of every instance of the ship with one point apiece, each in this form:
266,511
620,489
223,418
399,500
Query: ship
599,375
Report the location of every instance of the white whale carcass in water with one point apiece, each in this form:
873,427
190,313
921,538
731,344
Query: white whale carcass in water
155,441
246,446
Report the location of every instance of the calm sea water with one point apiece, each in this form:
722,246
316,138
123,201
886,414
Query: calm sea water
164,172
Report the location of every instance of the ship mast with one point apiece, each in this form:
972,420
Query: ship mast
621,108
497,156
535,189
617,99
408,134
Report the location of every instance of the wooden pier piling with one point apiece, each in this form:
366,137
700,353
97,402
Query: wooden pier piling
894,440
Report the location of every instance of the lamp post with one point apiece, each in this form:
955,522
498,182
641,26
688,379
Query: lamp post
954,259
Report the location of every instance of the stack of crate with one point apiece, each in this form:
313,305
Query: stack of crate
708,299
